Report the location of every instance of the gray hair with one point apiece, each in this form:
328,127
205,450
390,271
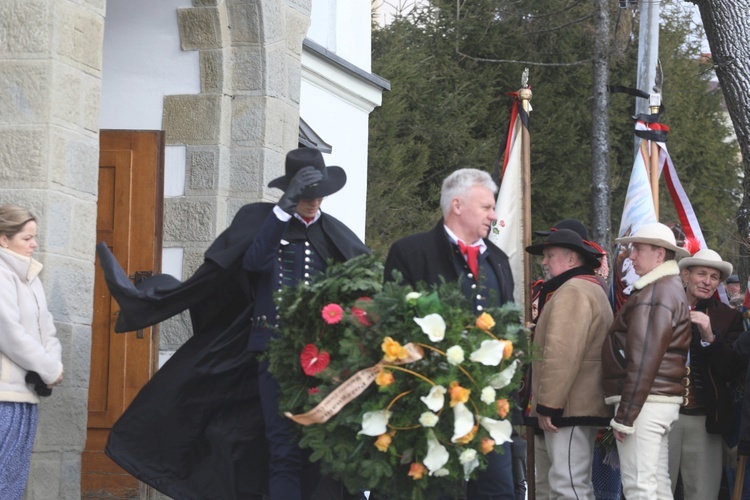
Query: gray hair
12,219
459,182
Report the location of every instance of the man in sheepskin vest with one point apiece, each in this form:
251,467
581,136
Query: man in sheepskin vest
567,397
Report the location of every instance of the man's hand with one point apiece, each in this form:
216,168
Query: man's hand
545,423
620,436
703,322
305,178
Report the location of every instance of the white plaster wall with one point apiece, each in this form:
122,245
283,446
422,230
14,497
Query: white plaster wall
143,62
343,27
345,127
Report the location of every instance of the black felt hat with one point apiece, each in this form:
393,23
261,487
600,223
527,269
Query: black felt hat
334,177
572,224
567,238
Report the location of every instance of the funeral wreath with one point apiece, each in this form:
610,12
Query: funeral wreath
396,390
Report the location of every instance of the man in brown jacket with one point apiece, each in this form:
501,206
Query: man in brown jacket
643,360
567,398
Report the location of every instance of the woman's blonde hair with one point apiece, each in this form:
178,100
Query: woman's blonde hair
13,218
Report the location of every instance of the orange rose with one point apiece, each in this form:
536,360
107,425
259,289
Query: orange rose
393,350
508,350
458,394
383,442
384,378
417,470
487,445
485,322
503,407
467,438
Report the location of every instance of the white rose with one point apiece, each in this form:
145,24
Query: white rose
455,355
467,456
488,395
428,419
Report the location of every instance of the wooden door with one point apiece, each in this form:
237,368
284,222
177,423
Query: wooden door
129,220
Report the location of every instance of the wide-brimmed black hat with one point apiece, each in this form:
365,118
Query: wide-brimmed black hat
334,177
572,224
567,238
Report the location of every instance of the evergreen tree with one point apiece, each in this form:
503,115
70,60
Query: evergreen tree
450,68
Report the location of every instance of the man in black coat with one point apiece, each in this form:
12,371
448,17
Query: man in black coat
201,427
695,441
457,250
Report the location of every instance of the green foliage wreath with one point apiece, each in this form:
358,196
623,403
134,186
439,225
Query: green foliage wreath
424,425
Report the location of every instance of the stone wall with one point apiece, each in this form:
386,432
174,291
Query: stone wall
50,76
238,129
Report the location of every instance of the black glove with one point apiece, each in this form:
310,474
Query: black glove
305,178
39,386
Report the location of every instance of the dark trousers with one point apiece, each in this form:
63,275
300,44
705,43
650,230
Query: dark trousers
291,475
496,482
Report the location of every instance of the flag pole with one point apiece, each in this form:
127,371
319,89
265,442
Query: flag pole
654,104
524,95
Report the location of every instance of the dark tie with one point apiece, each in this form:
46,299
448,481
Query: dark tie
472,256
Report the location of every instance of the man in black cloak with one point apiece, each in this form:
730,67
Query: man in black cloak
207,425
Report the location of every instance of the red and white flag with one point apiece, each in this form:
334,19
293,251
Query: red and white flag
639,209
507,233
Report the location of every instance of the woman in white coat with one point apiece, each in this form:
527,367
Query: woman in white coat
30,353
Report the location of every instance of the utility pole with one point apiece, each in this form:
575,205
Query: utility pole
648,54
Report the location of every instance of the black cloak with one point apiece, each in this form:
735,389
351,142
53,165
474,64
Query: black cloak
195,430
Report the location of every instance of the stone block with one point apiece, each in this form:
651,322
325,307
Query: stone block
44,465
203,168
25,95
62,419
207,3
248,68
244,21
70,475
74,162
77,355
200,28
192,119
248,120
68,283
246,171
212,68
277,76
24,27
67,98
175,331
92,104
297,24
23,154
81,33
83,228
259,121
189,219
294,82
303,6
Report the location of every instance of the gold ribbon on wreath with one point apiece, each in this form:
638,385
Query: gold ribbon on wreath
350,389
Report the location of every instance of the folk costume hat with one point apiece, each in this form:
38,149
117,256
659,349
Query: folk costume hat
572,224
656,234
578,227
707,258
567,238
334,177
